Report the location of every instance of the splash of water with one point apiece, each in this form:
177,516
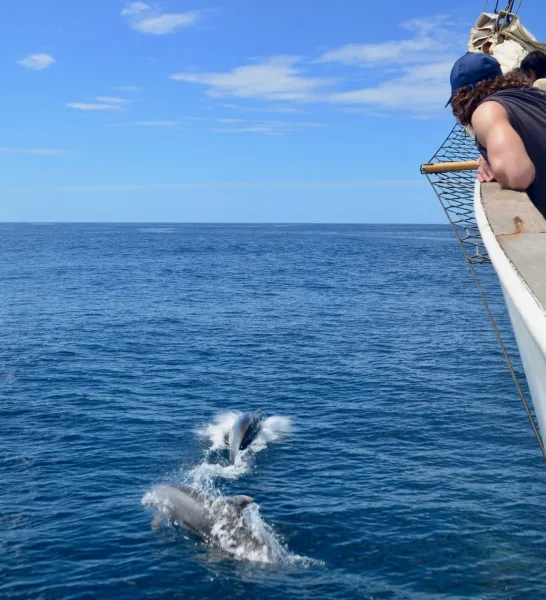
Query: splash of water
272,429
245,536
218,431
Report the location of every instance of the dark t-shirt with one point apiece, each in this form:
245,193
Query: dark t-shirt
526,108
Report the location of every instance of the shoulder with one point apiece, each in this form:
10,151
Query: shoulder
490,111
522,95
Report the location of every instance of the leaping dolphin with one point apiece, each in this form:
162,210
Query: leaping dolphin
216,520
243,433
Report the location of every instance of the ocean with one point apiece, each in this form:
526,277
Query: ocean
396,461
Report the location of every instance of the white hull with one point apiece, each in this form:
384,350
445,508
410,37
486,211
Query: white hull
527,315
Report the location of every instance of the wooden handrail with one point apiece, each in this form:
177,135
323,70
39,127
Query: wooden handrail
449,167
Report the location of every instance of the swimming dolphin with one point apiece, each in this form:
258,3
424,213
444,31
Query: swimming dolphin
216,520
243,433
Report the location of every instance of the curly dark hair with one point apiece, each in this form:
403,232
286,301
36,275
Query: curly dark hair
534,63
466,99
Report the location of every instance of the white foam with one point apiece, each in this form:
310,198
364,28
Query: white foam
203,475
217,431
272,429
275,428
263,545
246,537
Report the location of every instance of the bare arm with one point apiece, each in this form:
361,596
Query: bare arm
485,174
509,160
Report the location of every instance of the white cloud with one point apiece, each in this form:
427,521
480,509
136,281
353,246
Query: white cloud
266,127
271,109
413,73
407,76
91,106
36,62
420,88
103,103
257,185
166,23
150,124
135,9
144,19
276,78
431,37
230,125
159,123
396,51
40,152
113,100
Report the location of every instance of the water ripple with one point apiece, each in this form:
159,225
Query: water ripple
409,472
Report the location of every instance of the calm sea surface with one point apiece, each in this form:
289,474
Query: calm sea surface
402,465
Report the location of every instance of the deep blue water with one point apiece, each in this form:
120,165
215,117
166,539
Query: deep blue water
410,471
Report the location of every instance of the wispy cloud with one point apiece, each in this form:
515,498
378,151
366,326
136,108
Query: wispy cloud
252,185
113,100
230,125
421,88
414,71
92,106
39,152
159,123
143,18
430,37
174,124
36,62
276,78
135,10
104,103
406,76
270,109
265,127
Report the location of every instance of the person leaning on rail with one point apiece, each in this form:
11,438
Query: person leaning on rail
533,67
508,119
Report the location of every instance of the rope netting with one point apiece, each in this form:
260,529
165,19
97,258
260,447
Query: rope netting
456,192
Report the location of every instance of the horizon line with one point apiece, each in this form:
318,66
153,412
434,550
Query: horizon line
421,224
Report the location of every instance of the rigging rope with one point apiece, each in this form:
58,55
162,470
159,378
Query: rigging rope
455,191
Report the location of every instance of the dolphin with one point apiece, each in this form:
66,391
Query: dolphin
243,432
215,520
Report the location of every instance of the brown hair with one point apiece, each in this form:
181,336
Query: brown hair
466,99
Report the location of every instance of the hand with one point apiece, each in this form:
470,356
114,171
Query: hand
485,174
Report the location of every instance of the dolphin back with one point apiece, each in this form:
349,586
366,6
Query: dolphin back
241,502
186,507
243,433
253,429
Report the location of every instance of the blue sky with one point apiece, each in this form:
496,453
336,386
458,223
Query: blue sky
244,111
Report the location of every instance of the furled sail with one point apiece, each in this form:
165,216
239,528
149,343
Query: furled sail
503,36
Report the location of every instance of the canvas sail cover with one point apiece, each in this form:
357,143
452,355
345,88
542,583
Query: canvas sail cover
503,36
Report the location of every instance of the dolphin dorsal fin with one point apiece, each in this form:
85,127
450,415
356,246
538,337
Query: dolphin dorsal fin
241,501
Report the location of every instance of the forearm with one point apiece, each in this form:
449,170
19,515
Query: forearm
514,177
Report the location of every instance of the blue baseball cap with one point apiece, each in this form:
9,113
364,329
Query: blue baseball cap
472,68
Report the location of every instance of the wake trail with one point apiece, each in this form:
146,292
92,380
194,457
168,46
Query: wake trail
265,545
